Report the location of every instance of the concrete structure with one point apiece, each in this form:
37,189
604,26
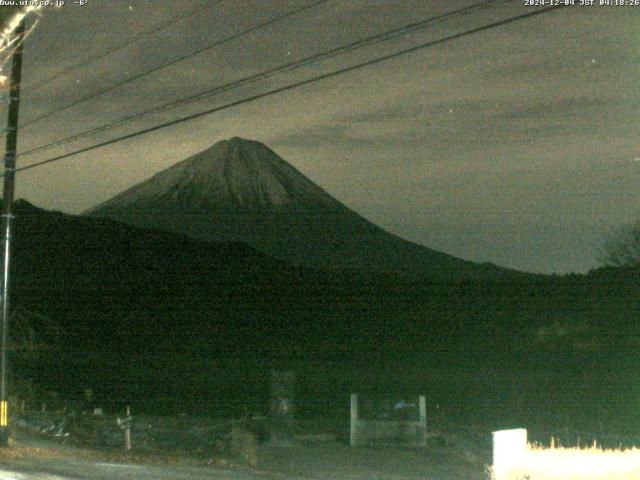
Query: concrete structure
509,451
407,427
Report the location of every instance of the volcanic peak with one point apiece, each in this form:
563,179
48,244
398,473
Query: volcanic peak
232,175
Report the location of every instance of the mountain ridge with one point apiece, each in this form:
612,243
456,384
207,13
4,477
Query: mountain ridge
241,190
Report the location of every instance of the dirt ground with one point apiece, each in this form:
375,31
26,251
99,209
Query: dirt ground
442,459
337,461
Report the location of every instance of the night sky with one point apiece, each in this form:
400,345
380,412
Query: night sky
518,145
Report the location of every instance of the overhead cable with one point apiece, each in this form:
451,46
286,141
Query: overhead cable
287,67
294,85
171,62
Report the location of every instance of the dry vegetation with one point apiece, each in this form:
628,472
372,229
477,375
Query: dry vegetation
19,451
578,463
50,450
244,444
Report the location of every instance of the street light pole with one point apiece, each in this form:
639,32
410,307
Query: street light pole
7,220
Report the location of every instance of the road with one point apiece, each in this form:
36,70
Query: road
76,470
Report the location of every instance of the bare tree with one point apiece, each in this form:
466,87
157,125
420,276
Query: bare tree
621,248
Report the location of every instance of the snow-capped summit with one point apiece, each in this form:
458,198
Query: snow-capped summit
240,190
234,174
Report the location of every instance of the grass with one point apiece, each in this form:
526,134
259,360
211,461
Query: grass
18,451
583,463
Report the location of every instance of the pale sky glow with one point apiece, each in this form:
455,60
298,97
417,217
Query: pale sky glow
517,146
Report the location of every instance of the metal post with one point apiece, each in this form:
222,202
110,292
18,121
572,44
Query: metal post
354,420
282,408
125,426
127,432
422,429
7,220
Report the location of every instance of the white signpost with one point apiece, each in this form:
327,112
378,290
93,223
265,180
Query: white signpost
125,425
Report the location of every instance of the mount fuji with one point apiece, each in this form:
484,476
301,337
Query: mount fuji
240,190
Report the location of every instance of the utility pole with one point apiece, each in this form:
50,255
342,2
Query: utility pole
7,220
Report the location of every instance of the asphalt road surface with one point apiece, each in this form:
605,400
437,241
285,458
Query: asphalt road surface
76,470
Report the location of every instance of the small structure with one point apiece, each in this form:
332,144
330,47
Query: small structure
509,450
389,421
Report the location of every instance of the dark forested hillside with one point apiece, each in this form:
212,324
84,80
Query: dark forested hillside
150,313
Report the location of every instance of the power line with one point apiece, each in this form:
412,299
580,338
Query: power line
295,85
287,67
175,61
157,28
